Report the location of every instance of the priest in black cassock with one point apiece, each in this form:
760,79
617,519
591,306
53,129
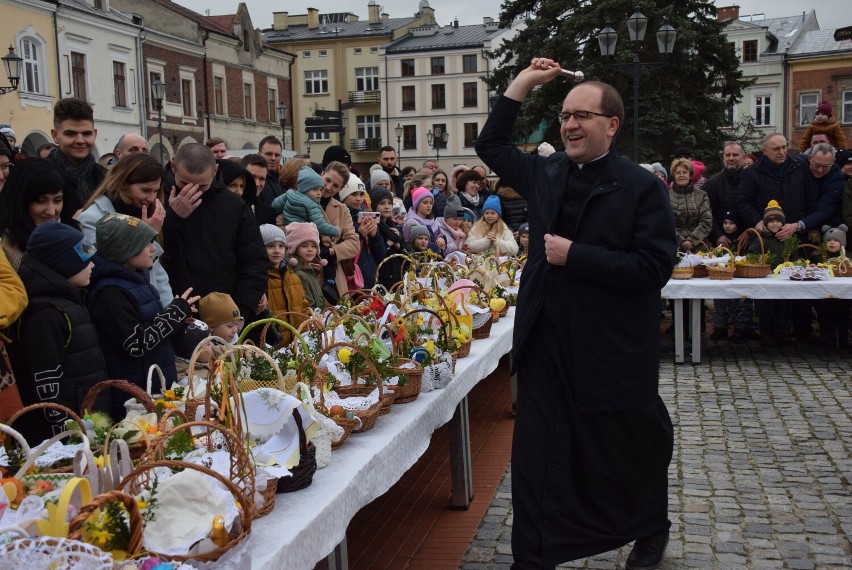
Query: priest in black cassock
593,440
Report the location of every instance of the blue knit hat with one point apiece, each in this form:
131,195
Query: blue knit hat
61,248
308,180
493,203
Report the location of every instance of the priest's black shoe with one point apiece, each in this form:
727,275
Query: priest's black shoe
648,552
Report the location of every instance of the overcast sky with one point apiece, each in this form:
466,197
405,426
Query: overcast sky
830,13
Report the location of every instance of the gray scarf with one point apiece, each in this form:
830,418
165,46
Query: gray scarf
78,173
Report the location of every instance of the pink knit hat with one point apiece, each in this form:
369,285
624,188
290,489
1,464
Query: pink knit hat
299,232
417,196
698,169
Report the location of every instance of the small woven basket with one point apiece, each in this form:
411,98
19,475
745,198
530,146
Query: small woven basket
49,406
409,391
464,349
683,272
752,270
142,478
484,330
303,472
726,272
134,546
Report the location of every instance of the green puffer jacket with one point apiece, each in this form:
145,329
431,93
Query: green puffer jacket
692,214
298,207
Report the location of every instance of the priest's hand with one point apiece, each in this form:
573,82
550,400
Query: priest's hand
556,249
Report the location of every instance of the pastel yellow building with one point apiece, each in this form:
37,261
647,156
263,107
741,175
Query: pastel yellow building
28,26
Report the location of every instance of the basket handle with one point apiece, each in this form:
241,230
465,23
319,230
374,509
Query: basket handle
151,370
75,528
742,242
36,453
144,397
43,406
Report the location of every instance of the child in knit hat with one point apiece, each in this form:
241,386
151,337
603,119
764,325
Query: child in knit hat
449,236
420,244
390,271
221,315
303,203
772,313
303,247
833,314
56,356
134,329
523,239
823,123
285,290
738,311
490,235
366,223
420,212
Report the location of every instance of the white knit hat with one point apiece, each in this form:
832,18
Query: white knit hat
271,233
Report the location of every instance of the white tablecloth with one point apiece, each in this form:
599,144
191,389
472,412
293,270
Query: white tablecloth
770,287
305,526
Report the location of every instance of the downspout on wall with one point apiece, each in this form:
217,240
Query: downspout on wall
206,87
58,58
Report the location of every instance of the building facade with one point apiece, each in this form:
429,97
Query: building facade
761,44
819,69
337,69
434,81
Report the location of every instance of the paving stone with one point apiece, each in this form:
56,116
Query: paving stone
759,476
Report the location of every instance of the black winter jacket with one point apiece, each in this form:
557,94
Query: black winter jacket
722,189
218,248
57,358
134,329
791,185
514,207
620,259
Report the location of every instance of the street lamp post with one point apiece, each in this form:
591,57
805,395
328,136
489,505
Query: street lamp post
636,25
282,120
398,131
158,92
308,145
436,139
12,65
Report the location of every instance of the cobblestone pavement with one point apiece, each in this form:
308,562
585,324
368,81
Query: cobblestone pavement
761,471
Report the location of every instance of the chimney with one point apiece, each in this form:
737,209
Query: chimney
456,23
279,20
313,18
385,16
728,13
375,12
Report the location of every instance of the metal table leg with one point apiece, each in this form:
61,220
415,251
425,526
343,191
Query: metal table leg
677,315
695,327
337,560
460,460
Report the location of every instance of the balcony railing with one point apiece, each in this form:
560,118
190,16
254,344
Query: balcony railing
365,144
365,97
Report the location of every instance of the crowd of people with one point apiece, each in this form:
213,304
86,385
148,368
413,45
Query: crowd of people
112,264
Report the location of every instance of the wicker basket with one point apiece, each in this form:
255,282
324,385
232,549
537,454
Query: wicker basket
142,477
752,270
60,408
241,469
303,472
841,266
683,272
134,518
726,272
143,397
464,349
700,270
409,391
484,330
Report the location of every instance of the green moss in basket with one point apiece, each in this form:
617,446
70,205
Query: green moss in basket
100,424
109,527
261,369
757,259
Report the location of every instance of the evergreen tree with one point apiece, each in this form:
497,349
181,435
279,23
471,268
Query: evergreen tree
682,104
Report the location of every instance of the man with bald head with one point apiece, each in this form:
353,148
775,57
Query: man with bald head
129,144
211,240
593,439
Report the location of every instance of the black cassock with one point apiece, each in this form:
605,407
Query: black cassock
582,483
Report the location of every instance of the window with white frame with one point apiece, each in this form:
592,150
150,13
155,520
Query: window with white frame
248,100
119,83
187,92
33,71
312,136
366,78
368,126
763,110
219,95
846,106
78,75
316,82
807,107
323,53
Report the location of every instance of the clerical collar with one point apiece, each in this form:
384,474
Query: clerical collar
592,162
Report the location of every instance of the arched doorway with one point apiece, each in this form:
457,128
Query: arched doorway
32,141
